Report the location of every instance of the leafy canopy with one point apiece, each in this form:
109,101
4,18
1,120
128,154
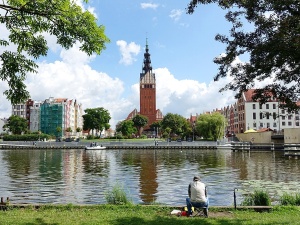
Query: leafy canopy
27,21
16,124
139,122
273,47
126,127
175,124
211,126
96,119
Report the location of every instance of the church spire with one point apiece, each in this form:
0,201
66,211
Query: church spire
147,61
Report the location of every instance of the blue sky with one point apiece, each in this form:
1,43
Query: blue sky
182,49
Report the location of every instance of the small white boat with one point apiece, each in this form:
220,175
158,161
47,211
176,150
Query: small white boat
95,147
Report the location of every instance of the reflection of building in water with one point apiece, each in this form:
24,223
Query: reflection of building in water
148,178
72,174
146,161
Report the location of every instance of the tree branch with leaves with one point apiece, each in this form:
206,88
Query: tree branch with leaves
273,48
27,22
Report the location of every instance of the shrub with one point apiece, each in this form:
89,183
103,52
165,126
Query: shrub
258,198
287,199
290,199
117,196
26,137
90,137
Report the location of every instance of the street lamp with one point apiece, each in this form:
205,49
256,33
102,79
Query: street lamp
193,131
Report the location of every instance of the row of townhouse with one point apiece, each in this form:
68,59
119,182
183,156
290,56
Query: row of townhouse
246,114
46,116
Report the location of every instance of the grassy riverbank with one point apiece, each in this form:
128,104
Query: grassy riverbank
141,215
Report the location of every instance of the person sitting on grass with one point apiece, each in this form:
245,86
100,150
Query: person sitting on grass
197,196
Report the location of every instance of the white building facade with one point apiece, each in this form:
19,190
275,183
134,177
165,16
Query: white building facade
35,116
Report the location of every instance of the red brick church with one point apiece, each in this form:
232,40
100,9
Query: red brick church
147,93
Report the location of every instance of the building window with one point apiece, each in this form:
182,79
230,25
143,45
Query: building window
283,117
282,111
268,125
297,123
261,115
261,124
274,115
289,117
267,115
274,106
283,123
267,106
254,116
290,123
260,106
254,124
253,106
274,124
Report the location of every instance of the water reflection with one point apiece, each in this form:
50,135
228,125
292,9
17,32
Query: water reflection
83,177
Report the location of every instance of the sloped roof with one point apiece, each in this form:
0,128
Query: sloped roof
58,100
248,95
264,129
132,114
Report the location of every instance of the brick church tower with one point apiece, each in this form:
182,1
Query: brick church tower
148,89
147,93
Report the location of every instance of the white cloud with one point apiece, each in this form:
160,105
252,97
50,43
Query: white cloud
149,5
191,95
176,14
73,78
128,51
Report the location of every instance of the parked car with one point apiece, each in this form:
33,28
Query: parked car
68,140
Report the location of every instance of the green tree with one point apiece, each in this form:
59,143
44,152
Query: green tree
211,126
139,122
273,48
69,130
58,131
167,132
96,119
126,127
16,124
27,21
178,124
155,126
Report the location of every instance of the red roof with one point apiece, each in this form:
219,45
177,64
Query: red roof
264,129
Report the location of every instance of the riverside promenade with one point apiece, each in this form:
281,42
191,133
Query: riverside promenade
114,144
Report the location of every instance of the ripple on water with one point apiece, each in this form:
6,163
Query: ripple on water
82,177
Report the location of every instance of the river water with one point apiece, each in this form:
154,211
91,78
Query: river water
147,176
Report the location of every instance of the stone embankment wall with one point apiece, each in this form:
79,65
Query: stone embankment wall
258,137
291,135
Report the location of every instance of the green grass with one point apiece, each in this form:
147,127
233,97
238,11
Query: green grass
141,215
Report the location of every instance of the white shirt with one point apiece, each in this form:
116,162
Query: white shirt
197,190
